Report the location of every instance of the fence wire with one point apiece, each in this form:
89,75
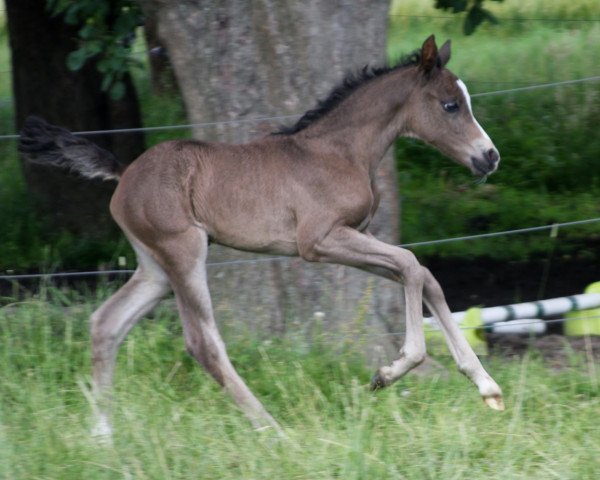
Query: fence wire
16,277
278,118
553,226
503,19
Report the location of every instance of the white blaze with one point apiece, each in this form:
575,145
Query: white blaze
463,88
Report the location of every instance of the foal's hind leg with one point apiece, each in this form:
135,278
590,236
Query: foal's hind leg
463,354
111,323
184,258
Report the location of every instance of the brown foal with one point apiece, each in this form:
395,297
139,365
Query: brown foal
307,190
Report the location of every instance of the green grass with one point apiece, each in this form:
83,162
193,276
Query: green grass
27,241
173,422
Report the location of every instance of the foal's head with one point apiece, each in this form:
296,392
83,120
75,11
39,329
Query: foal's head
440,113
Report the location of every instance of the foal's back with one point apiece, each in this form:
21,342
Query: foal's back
250,196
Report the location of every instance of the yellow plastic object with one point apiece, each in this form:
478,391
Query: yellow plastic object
472,328
584,322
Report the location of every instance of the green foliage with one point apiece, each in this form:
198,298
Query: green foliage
106,34
476,14
24,239
550,169
25,243
173,422
547,138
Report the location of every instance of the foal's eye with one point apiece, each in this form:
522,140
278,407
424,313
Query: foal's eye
450,107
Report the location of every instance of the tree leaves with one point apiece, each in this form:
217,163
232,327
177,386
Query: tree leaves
476,14
76,59
106,35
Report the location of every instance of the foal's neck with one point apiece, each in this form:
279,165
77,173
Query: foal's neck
364,125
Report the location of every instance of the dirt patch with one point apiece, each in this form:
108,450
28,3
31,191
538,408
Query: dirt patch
557,351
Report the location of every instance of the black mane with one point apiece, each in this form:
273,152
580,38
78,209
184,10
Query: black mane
351,82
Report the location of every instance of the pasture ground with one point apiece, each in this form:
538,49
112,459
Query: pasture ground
173,422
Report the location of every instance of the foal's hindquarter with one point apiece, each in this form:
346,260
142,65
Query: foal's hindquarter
310,194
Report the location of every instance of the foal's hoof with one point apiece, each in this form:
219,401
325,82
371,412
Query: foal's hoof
378,382
495,402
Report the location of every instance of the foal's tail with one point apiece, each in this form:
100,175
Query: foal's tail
53,146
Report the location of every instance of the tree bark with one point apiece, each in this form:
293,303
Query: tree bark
237,60
162,77
44,86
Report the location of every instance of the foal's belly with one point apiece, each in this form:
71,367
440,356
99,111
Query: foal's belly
263,233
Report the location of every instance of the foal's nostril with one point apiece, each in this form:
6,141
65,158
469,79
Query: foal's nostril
493,156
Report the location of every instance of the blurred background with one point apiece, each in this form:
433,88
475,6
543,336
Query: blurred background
128,74
157,70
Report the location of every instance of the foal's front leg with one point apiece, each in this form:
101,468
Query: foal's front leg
349,247
461,351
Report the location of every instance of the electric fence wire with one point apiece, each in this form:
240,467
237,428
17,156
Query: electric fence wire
290,117
553,226
503,19
532,321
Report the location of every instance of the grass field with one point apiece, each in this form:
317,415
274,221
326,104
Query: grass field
171,419
173,422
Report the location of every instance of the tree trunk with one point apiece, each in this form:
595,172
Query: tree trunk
162,77
236,60
44,86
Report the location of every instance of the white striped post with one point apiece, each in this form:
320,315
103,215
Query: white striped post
582,311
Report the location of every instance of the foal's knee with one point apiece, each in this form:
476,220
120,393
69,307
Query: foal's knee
309,250
410,269
432,288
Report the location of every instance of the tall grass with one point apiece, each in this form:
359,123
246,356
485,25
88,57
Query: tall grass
173,422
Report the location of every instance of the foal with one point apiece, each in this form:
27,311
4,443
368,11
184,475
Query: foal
307,190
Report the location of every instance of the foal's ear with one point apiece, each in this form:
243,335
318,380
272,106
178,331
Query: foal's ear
444,54
429,54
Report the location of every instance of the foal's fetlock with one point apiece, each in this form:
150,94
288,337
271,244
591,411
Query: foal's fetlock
380,379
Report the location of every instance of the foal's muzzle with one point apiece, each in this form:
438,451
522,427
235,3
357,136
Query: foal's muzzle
487,163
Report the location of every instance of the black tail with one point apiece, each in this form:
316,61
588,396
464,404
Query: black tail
47,144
